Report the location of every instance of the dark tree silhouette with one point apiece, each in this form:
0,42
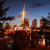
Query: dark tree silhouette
3,13
46,23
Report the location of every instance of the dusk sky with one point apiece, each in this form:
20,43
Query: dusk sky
34,9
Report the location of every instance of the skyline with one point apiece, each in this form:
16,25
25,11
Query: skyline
32,12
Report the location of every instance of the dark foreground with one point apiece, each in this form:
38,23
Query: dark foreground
23,41
35,48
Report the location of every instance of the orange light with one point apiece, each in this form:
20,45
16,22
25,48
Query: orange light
23,14
44,41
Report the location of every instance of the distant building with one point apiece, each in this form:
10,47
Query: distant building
35,21
34,24
26,22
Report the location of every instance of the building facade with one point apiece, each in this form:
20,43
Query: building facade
34,24
26,22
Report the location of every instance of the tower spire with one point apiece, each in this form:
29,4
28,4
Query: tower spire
23,13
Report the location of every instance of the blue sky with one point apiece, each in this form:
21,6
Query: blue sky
34,9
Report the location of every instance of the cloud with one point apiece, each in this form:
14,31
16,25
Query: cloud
34,5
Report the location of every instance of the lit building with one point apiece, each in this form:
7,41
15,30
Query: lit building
26,22
34,24
35,21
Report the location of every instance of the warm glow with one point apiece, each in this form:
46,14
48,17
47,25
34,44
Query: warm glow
44,41
15,28
23,14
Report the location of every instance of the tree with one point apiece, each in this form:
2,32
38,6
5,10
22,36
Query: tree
46,23
3,13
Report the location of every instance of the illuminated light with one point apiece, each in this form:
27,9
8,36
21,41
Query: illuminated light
38,30
15,28
20,28
27,28
44,42
23,14
6,33
6,36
